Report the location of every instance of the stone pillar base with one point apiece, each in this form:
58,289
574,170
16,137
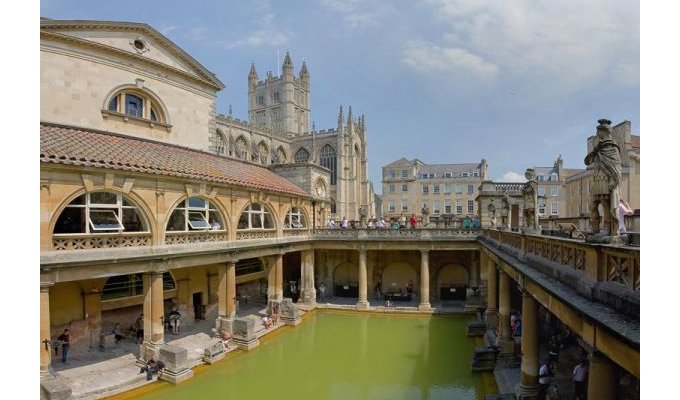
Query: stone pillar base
424,307
223,323
52,388
246,344
491,318
214,352
176,364
523,392
290,314
148,350
362,305
176,376
507,345
244,333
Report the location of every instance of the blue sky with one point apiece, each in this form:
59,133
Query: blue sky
445,81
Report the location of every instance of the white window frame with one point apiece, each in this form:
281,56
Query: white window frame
470,188
447,207
391,188
404,205
435,188
459,207
447,188
426,189
404,187
436,207
459,188
296,218
554,208
554,191
261,214
104,227
471,206
541,191
199,223
391,206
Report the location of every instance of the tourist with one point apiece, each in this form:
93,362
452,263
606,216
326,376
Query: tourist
344,223
117,335
381,223
322,291
513,321
402,221
378,291
624,209
174,320
413,221
475,223
226,337
409,289
267,322
139,328
331,223
371,224
65,338
579,377
152,367
467,222
553,350
518,328
544,378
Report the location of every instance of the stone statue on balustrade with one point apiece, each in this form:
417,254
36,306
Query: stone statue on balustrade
605,162
505,211
530,199
492,213
425,212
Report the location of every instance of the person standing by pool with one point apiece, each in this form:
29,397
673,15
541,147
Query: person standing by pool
65,344
378,291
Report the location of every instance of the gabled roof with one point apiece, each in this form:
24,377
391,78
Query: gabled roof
89,148
402,162
62,27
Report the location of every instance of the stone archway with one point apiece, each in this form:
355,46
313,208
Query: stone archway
346,280
452,282
396,275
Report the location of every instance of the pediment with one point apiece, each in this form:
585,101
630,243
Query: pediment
138,41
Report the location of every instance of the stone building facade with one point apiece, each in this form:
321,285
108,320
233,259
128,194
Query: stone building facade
447,190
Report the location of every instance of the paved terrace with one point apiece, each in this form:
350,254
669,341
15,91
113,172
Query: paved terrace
96,374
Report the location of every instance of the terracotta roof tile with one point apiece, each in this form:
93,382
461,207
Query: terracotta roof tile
83,147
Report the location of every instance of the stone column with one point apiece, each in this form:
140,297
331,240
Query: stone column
45,331
154,333
362,304
528,380
278,265
271,282
424,281
226,289
602,382
505,339
308,292
491,313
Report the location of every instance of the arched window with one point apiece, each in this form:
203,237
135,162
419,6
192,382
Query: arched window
136,103
117,287
195,214
242,148
255,216
301,155
281,155
100,212
329,160
263,150
295,219
220,143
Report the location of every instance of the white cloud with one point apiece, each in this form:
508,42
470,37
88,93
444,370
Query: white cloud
257,39
511,176
357,15
428,57
560,46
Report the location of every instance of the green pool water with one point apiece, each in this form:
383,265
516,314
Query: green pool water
342,356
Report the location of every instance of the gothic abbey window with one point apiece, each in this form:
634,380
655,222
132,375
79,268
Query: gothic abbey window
195,213
100,212
242,148
255,216
301,155
295,219
263,150
281,155
220,143
328,160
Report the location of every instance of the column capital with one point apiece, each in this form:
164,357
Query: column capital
233,261
45,286
424,251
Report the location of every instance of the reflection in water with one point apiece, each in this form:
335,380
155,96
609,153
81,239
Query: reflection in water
343,356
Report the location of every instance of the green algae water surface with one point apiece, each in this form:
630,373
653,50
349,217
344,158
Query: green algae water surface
341,356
